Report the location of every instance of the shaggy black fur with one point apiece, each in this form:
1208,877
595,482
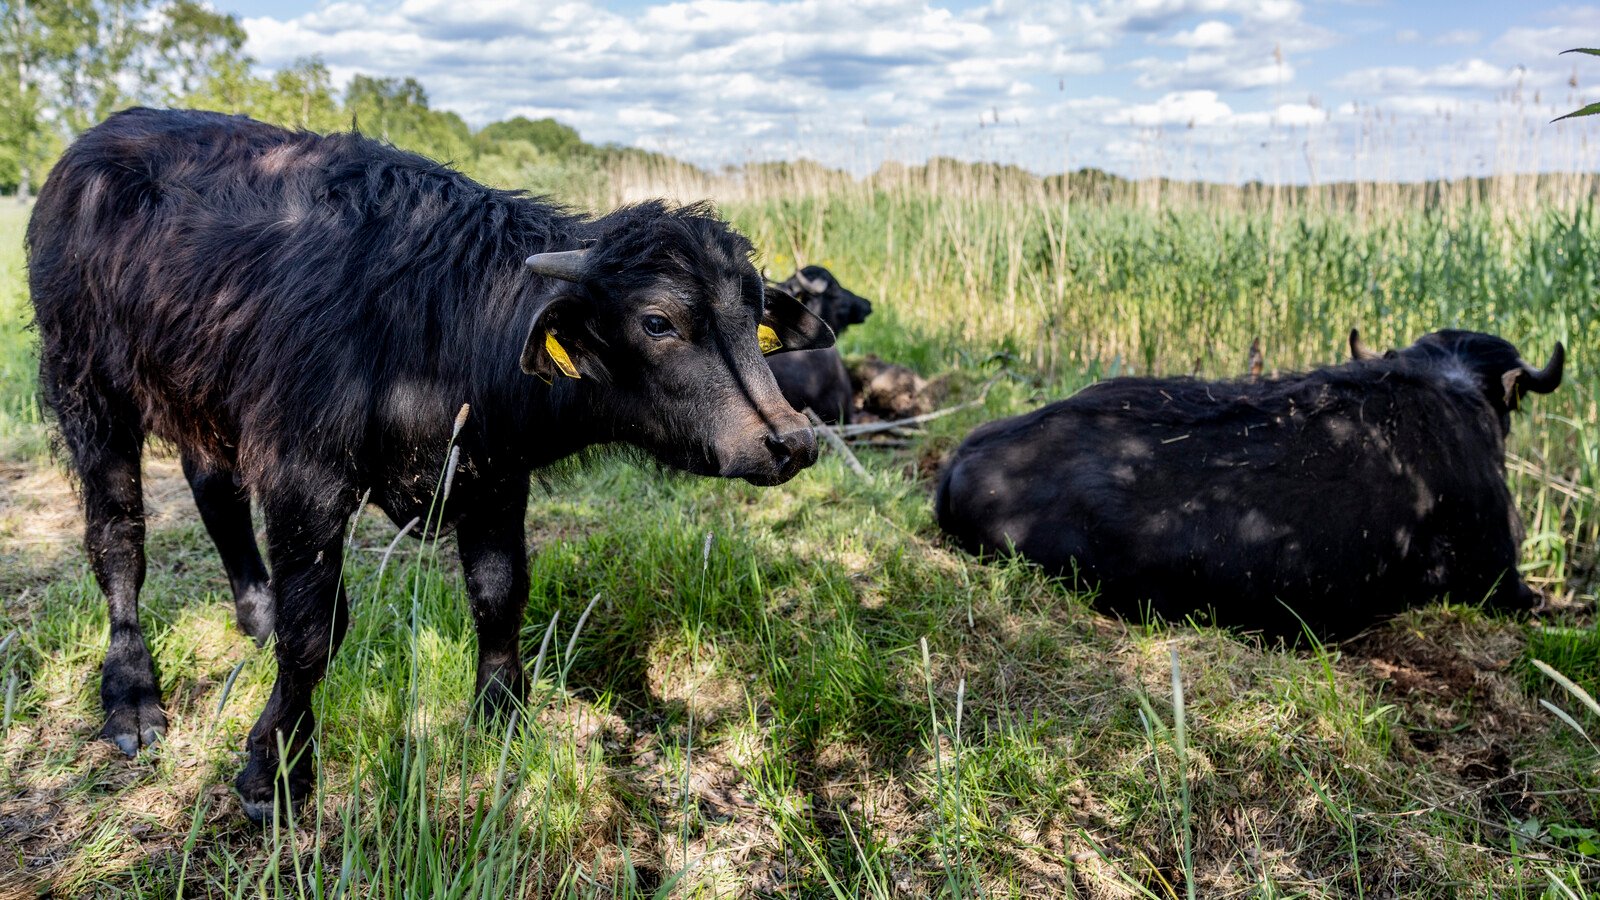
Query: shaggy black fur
304,315
1347,493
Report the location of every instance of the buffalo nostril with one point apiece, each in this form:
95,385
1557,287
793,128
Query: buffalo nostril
792,446
780,450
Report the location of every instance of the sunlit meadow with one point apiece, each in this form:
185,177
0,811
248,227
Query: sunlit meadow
802,691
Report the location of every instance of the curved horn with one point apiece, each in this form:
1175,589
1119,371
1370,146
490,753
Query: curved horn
1359,350
567,265
808,284
1547,379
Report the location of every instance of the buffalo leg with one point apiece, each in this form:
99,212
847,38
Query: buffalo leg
225,508
1509,592
305,543
494,559
1488,573
105,441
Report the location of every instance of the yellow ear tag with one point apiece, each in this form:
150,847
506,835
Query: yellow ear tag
559,354
768,339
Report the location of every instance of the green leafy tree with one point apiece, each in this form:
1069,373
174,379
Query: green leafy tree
67,64
48,62
300,96
194,42
23,52
546,135
96,60
304,97
396,110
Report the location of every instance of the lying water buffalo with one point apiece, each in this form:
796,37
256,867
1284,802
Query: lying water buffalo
302,316
817,378
1344,494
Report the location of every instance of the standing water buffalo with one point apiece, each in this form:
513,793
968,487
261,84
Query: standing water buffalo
1344,494
303,315
817,378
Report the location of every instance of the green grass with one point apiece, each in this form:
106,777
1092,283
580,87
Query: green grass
21,432
824,700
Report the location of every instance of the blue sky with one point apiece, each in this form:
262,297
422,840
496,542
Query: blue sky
1221,89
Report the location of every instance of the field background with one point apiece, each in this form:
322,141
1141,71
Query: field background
801,691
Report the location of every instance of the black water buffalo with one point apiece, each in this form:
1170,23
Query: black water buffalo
302,317
1344,494
817,378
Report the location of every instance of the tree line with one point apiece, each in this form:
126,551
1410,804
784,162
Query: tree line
67,64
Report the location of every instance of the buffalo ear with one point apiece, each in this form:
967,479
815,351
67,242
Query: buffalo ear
796,327
1539,381
535,358
1508,381
555,345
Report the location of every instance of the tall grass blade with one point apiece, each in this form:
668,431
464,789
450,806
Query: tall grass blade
1562,714
1180,743
1568,684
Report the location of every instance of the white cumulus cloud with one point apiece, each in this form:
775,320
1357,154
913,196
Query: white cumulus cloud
1472,74
1210,33
1178,108
854,82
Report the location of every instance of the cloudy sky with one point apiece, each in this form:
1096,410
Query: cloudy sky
1221,89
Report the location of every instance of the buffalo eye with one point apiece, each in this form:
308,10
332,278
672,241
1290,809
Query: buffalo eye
657,326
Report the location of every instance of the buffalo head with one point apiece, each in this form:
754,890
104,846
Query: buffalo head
661,324
824,295
1491,364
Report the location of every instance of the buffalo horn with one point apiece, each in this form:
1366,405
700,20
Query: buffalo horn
567,265
1359,350
811,285
1547,379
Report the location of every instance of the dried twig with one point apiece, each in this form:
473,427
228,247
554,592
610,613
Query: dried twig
833,439
1523,466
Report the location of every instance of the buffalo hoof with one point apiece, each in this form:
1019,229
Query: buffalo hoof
262,812
1517,599
142,723
254,610
500,694
131,699
1532,601
257,811
263,797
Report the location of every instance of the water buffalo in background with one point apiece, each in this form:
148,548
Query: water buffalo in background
302,316
817,378
1345,494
